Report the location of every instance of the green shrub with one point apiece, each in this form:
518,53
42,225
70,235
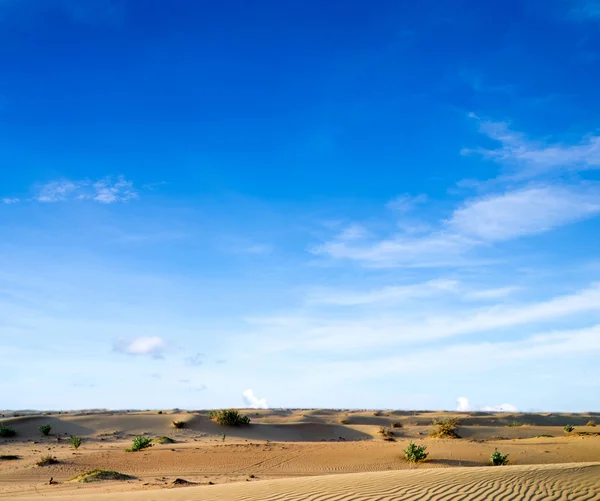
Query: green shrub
499,459
446,428
45,429
99,475
140,443
229,417
160,412
75,442
178,424
7,431
568,428
591,422
415,453
47,460
397,424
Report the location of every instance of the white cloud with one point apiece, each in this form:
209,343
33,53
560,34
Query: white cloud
500,408
524,212
152,345
486,294
385,294
478,222
105,191
253,401
463,404
9,201
406,202
531,158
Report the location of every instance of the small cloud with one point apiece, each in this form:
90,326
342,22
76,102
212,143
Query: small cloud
353,232
156,375
463,404
405,203
105,191
500,408
253,401
196,360
10,201
153,346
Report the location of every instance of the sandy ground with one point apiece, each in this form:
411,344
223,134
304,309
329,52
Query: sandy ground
313,447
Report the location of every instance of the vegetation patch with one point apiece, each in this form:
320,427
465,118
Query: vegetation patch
397,424
178,424
140,443
387,434
47,460
75,442
544,436
568,428
445,428
591,422
415,453
498,459
229,417
164,440
100,475
45,429
8,457
7,431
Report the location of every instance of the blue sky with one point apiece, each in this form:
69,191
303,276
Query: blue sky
300,204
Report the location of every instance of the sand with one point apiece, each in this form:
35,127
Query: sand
304,454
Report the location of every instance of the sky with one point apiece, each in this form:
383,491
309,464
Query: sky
341,204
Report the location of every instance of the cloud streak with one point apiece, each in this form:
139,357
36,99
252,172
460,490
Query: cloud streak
153,346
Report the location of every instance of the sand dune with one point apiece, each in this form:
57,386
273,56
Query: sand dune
557,482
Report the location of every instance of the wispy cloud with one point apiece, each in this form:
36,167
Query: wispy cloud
586,10
479,221
406,202
105,191
10,201
529,158
153,346
196,361
464,405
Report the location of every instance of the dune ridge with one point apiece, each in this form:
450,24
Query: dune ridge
573,482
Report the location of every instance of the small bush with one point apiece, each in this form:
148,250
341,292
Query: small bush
7,431
515,424
397,424
160,412
344,421
385,432
47,460
99,475
164,440
178,424
223,437
499,459
45,429
140,443
568,428
591,422
446,428
378,414
229,417
8,457
75,442
415,453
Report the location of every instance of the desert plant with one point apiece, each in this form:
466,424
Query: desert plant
415,453
164,440
223,437
591,422
378,414
344,421
160,412
499,459
47,460
75,442
7,431
99,475
45,429
229,417
178,424
397,424
139,443
385,432
568,428
446,428
8,457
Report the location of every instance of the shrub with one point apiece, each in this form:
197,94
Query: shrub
178,424
140,443
568,428
591,422
8,457
47,460
75,442
99,475
446,428
229,417
499,459
223,437
45,429
397,424
164,440
7,431
386,432
344,421
378,414
160,412
415,453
